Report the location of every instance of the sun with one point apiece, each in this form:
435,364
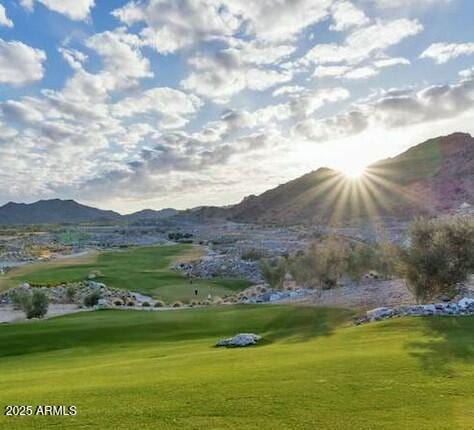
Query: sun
353,171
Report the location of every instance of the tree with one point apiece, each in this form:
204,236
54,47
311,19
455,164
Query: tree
439,257
274,271
33,304
92,299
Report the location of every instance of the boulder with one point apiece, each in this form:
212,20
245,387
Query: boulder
240,340
379,313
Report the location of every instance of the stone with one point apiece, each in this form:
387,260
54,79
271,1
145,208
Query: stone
240,340
379,313
465,303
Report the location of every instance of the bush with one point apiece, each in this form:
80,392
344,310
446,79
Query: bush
145,304
177,304
34,304
440,257
39,305
130,303
274,271
70,294
159,304
252,255
118,302
92,299
360,259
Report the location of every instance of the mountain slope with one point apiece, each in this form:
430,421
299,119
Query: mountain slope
434,177
52,212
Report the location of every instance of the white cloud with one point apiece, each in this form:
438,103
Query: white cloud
4,20
444,52
289,90
389,62
394,4
365,42
395,109
124,64
19,63
467,73
173,106
345,16
172,25
73,9
225,74
361,73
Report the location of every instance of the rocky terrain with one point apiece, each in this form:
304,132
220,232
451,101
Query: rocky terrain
434,177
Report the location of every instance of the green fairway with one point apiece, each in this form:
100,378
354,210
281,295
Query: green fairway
159,370
144,270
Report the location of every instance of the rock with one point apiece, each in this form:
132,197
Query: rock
240,340
379,313
465,303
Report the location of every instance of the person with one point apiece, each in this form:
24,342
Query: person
196,291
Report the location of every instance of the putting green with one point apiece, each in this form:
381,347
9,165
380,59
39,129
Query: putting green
144,270
159,370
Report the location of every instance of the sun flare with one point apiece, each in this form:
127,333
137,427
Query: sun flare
354,172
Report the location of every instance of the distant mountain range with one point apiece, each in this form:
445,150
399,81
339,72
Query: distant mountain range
434,177
58,211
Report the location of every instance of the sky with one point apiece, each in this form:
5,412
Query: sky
139,104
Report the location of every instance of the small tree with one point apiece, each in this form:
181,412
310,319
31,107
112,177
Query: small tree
331,262
39,305
70,294
360,258
92,299
274,271
33,304
440,256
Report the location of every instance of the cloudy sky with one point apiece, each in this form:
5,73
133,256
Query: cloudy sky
158,103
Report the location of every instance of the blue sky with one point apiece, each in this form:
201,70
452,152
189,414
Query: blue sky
157,103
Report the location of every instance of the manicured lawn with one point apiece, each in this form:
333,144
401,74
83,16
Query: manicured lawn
144,270
159,370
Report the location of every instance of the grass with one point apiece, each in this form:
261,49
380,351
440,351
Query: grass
144,270
159,370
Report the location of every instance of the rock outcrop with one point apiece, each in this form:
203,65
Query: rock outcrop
240,340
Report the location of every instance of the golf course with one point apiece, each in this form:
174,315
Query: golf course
313,370
144,270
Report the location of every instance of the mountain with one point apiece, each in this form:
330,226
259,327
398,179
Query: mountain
434,177
150,215
53,212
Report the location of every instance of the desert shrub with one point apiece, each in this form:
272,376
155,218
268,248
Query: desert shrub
386,259
20,298
145,304
177,304
252,255
159,304
303,267
331,262
194,303
118,302
33,304
360,258
130,303
39,305
439,257
70,294
92,299
274,271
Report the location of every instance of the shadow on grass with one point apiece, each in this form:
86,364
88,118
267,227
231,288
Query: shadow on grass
103,329
449,340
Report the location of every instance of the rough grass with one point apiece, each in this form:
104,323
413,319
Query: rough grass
159,370
145,270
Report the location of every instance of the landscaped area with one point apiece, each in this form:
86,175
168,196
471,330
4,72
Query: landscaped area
159,370
145,270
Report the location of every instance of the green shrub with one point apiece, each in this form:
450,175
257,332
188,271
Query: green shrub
439,257
360,258
274,271
39,305
70,294
145,304
177,304
159,304
92,299
33,304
